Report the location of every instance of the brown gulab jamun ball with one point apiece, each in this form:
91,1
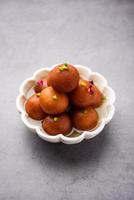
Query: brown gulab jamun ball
63,78
53,102
86,94
33,108
84,118
60,124
40,85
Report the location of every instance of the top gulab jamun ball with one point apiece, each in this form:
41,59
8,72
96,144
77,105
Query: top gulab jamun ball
86,94
64,78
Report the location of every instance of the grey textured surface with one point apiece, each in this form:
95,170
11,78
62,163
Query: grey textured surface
99,34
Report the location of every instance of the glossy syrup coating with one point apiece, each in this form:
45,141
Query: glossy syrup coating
33,108
53,102
86,94
64,78
40,85
84,119
60,124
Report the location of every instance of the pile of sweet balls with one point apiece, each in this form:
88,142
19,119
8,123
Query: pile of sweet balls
63,100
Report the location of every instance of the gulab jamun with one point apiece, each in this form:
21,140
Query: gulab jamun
60,124
86,94
53,102
64,78
40,85
33,108
84,118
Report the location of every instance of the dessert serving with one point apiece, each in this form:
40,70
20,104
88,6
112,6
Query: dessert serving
63,78
66,103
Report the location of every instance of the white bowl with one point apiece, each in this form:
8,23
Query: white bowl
105,111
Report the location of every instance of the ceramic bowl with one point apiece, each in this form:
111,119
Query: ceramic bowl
105,111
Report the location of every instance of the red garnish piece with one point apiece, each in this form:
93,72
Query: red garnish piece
40,82
90,91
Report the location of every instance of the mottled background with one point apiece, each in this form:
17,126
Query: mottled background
95,33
